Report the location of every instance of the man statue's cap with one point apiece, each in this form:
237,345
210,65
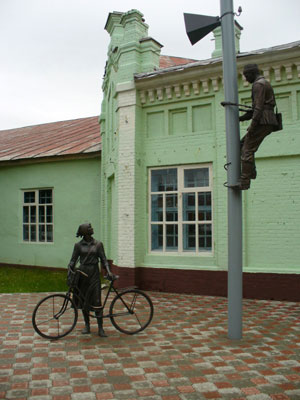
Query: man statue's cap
250,68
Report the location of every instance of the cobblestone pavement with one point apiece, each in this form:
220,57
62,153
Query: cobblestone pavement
184,354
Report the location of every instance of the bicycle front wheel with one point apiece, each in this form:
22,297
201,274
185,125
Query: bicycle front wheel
55,316
131,311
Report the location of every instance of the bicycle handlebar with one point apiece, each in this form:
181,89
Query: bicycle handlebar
80,272
108,277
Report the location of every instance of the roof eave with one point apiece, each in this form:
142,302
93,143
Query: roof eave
215,64
55,158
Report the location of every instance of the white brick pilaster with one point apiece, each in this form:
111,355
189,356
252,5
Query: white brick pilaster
126,174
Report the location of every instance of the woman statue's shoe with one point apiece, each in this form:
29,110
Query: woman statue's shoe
86,330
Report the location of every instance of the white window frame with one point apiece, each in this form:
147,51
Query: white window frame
180,222
37,222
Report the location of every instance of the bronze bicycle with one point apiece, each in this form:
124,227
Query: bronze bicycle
55,316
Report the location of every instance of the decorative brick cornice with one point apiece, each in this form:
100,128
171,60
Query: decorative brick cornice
189,88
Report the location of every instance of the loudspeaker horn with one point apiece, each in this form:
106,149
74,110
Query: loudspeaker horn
198,26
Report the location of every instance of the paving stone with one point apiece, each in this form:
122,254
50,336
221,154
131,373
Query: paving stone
38,397
20,378
182,350
6,372
155,376
205,387
59,376
260,396
126,394
166,391
46,383
117,379
103,387
295,392
230,391
79,381
215,378
77,368
61,390
4,387
16,394
277,379
179,381
83,396
142,385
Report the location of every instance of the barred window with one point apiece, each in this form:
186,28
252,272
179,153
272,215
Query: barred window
38,215
181,209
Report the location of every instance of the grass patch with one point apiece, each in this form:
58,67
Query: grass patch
30,280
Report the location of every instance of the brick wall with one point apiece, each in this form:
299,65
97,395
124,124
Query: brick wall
174,119
211,283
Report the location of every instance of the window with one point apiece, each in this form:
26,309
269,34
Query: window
181,209
38,215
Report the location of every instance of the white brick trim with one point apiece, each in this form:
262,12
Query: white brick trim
126,175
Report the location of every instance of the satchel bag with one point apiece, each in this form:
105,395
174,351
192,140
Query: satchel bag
72,277
279,125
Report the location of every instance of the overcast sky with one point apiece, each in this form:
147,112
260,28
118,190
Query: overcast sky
53,52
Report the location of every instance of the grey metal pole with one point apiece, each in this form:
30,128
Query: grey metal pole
235,269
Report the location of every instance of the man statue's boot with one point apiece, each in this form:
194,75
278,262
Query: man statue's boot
247,171
244,182
86,318
253,173
99,316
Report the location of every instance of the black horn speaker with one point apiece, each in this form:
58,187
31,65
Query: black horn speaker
198,26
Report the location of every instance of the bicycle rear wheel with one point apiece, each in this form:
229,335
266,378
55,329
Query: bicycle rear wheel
55,316
131,311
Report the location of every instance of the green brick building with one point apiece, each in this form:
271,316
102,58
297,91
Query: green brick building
49,183
163,152
155,190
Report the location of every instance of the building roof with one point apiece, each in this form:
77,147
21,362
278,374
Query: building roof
64,138
194,63
169,61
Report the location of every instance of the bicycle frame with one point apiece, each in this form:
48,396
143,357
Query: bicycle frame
62,310
112,288
82,298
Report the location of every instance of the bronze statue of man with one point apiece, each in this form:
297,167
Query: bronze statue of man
263,122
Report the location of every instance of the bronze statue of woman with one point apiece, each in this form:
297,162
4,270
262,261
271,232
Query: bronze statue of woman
89,251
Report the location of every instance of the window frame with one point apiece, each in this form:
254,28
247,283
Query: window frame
37,223
180,221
